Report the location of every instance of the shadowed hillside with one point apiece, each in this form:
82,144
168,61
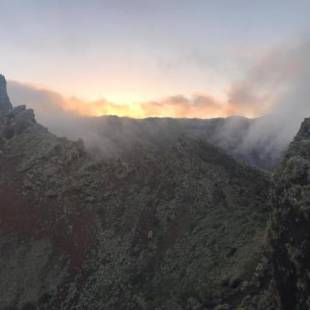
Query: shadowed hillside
178,226
168,221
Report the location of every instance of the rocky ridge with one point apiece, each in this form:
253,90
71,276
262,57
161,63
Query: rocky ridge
112,136
289,232
166,229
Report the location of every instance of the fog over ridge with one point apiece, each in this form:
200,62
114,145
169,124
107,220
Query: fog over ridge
275,89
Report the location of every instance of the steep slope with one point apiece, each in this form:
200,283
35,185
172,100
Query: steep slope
290,230
46,228
176,227
183,223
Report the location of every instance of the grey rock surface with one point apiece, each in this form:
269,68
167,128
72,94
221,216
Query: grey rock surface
5,104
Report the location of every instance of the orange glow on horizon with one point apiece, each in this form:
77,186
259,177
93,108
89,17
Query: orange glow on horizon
200,105
176,107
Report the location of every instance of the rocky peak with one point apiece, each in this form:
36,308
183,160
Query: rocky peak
5,104
13,121
300,147
304,131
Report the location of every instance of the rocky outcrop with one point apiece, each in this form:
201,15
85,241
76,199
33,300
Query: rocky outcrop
5,104
290,228
44,235
284,279
178,227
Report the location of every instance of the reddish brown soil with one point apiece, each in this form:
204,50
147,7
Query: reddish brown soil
72,234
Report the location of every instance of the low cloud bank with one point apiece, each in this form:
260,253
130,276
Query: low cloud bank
275,89
284,78
48,104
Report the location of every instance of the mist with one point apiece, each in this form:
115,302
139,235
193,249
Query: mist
282,82
274,92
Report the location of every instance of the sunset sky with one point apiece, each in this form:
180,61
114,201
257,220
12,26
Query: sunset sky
137,51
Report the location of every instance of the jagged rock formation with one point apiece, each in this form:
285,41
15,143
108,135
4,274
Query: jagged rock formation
5,104
179,227
286,271
42,235
290,229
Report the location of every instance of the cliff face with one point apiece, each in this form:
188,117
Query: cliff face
290,229
179,227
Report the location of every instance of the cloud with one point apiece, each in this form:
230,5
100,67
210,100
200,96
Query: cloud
49,104
275,88
260,89
45,101
198,106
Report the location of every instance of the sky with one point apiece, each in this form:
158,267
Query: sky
148,58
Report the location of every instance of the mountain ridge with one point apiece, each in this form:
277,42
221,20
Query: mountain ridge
179,225
92,233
